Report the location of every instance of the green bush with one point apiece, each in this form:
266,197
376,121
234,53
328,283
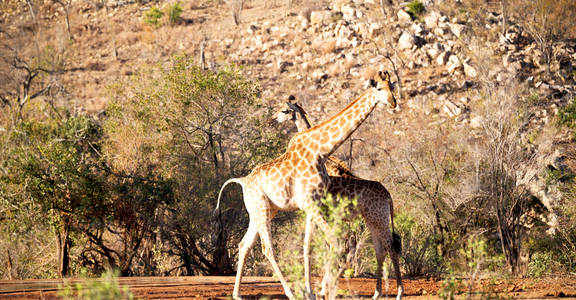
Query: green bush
174,11
567,115
105,288
153,16
540,264
419,252
195,128
415,8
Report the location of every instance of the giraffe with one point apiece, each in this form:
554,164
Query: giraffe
297,179
374,201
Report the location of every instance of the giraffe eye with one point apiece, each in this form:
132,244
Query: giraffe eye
286,111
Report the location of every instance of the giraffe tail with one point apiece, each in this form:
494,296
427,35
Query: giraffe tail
396,239
231,180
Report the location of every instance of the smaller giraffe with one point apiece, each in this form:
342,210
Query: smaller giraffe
374,201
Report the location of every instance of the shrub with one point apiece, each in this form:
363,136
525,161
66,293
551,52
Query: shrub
419,254
415,8
106,288
567,115
194,128
153,16
540,264
174,11
338,213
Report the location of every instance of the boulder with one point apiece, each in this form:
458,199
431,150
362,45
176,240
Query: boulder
435,50
453,64
469,70
457,29
404,17
320,17
442,58
452,109
431,19
406,41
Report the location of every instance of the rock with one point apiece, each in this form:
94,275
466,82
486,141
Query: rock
404,17
476,122
252,28
493,18
417,28
442,58
452,109
441,33
453,64
457,29
406,41
348,12
320,17
469,70
435,50
431,19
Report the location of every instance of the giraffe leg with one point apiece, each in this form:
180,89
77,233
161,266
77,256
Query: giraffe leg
395,257
244,247
313,217
307,237
266,238
380,254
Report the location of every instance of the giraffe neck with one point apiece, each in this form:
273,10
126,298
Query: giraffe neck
302,121
330,134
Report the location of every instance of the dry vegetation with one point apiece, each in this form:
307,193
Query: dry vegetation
119,121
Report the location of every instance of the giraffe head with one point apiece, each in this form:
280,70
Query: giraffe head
384,88
290,111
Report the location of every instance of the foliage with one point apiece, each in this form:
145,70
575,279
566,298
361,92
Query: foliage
415,8
174,11
540,264
153,16
339,213
567,115
419,254
195,128
451,286
106,288
55,165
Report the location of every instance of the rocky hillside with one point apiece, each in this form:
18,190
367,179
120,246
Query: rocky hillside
445,58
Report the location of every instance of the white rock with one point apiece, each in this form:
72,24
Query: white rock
406,41
435,50
442,58
457,29
452,109
476,122
403,16
431,19
417,28
320,17
469,70
453,63
348,12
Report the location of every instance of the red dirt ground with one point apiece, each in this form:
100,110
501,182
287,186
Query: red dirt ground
256,287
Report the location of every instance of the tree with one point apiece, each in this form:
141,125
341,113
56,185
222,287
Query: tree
196,128
54,162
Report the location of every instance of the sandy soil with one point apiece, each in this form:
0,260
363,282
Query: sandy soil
256,287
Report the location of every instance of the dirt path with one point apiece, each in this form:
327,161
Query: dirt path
217,287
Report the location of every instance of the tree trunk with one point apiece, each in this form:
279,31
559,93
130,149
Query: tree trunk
63,248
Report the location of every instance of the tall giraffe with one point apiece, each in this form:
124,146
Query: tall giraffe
298,179
374,201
